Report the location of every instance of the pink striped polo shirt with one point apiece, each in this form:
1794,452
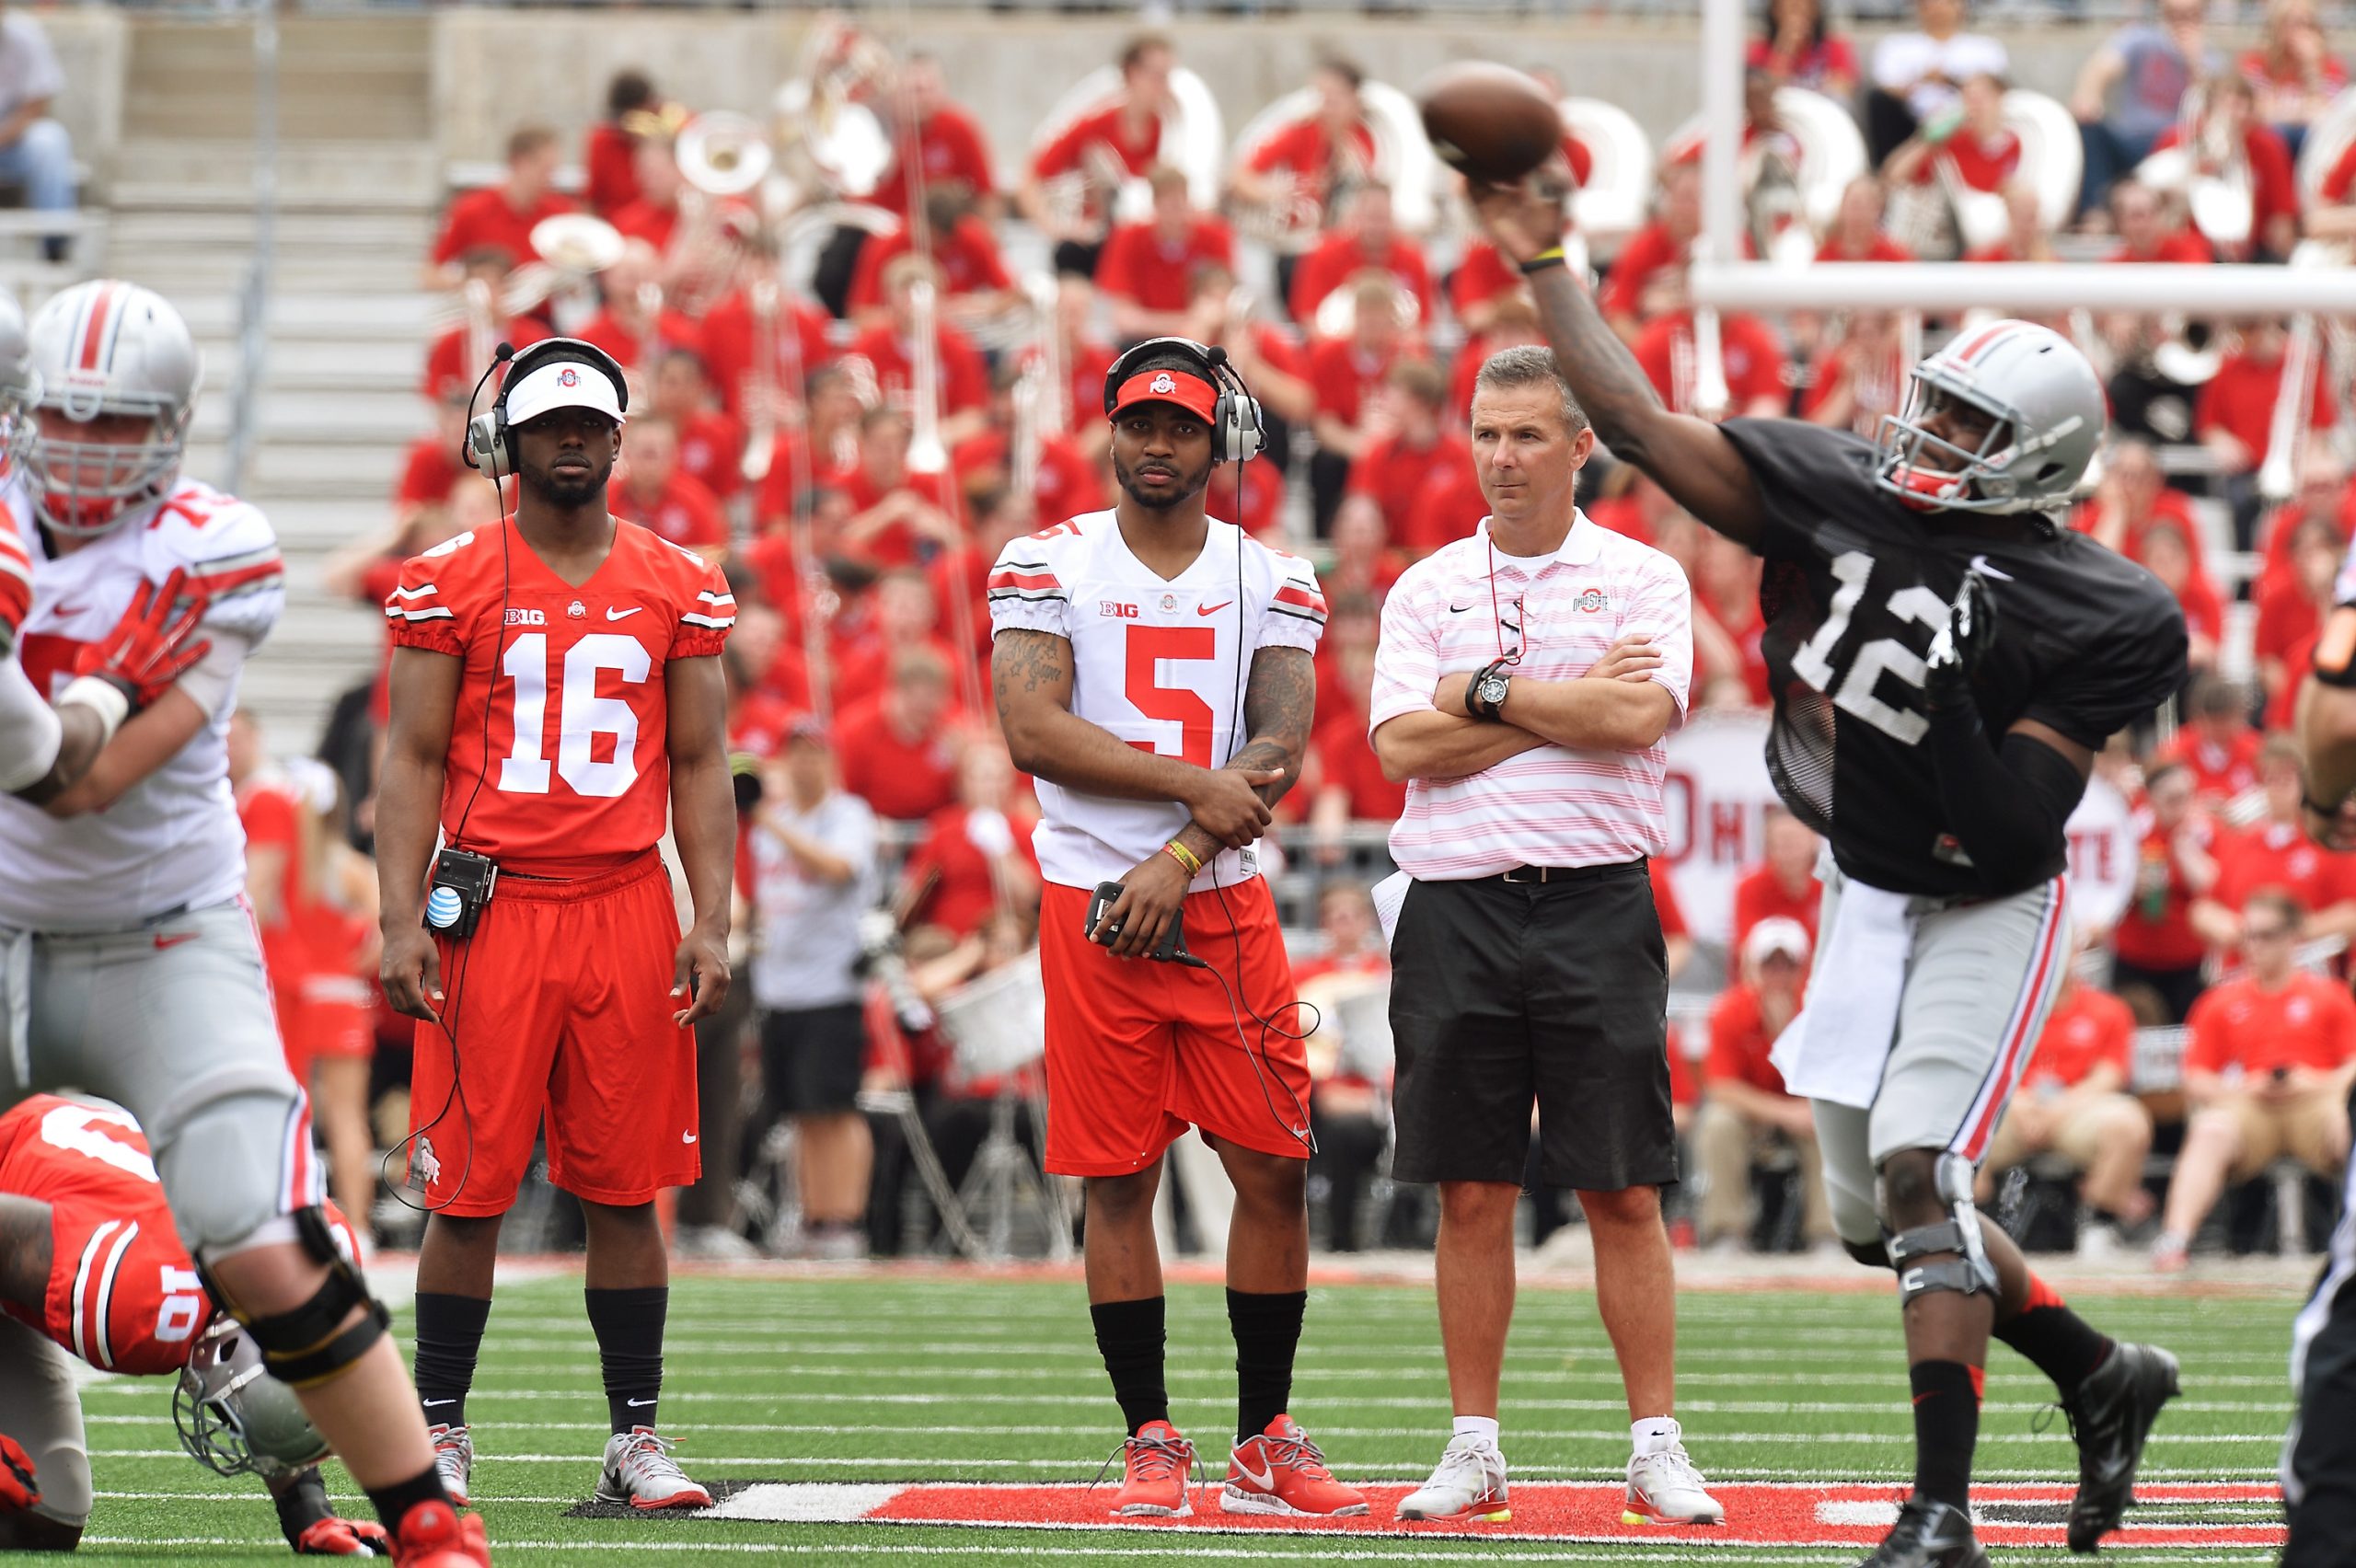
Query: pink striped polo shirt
1552,805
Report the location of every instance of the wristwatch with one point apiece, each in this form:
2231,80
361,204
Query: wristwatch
1485,698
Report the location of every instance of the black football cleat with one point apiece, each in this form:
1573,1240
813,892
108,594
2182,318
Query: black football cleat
1928,1534
2111,1416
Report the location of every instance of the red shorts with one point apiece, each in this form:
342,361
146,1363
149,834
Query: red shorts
329,1015
121,1293
560,1005
1138,1051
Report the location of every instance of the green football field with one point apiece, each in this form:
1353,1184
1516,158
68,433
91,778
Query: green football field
856,1385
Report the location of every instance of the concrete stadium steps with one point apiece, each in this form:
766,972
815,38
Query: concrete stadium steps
347,76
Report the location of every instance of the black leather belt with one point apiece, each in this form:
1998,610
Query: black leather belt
1520,874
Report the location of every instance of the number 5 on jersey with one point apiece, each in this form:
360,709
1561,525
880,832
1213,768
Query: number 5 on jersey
583,717
1149,647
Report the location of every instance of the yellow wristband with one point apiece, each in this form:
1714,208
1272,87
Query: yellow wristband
1543,259
1184,856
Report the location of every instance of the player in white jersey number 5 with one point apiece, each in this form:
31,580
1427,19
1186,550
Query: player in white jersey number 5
129,964
1124,640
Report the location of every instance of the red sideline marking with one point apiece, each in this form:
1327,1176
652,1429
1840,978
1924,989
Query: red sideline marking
1757,1514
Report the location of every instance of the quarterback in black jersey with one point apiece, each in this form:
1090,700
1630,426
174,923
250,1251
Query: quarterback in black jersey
1946,661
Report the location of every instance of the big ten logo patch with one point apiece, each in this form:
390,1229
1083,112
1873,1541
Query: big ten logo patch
1116,609
525,617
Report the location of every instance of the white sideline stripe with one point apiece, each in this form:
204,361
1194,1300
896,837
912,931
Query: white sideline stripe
1320,1548
1089,1382
805,1503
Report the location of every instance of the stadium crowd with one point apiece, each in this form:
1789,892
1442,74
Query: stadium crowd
855,484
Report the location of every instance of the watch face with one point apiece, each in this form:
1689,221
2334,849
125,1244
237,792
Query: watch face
1493,689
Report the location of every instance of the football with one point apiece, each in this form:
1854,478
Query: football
1489,121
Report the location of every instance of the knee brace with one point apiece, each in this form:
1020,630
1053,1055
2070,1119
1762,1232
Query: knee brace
1873,1254
307,1345
1967,1273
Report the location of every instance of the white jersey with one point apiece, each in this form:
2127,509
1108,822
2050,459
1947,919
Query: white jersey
1159,663
172,840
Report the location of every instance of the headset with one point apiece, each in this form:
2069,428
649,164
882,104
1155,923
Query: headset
490,448
490,445
1239,433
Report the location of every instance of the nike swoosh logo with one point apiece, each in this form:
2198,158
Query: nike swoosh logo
66,609
1458,609
436,1404
1212,609
613,615
687,1137
1980,564
638,1404
1266,1480
174,939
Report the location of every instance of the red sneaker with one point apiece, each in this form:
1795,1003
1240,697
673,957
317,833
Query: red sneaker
1157,1466
18,1489
1280,1471
434,1536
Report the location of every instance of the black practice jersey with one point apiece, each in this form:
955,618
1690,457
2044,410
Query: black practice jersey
1857,585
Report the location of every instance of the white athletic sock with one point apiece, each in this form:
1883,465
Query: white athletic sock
1654,1435
1485,1427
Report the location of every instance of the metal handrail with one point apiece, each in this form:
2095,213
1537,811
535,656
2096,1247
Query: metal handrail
253,297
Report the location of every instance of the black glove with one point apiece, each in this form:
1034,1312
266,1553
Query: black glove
1961,643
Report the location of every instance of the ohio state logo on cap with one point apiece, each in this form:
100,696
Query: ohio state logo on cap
568,377
1163,384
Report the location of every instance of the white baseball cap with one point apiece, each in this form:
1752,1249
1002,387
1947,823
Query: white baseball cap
562,383
1777,933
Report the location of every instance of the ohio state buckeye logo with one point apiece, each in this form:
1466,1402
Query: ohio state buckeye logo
568,379
1163,384
1591,600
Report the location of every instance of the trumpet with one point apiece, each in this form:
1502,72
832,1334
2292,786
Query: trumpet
567,249
722,153
927,454
1705,371
2286,432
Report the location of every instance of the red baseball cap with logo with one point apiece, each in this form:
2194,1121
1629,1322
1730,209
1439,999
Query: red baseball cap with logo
1187,390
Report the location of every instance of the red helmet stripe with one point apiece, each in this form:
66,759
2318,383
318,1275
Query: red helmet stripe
97,333
1987,338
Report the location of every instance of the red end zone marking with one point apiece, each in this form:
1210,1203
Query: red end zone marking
1757,1514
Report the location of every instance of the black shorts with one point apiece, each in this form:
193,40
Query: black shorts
812,1059
1503,993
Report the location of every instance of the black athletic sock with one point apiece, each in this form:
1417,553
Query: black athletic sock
449,1334
1267,1332
2059,1342
393,1503
628,1326
1130,1337
303,1504
1946,1424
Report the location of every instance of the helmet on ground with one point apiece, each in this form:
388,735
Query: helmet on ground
2046,410
234,1416
106,349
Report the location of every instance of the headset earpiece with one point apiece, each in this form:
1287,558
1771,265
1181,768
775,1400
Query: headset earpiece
482,448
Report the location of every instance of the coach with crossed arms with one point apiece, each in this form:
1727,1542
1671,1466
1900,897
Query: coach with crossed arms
1524,681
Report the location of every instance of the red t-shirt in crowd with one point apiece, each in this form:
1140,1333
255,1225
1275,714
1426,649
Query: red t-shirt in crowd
1649,250
1347,762
896,546
686,513
429,473
446,365
2164,940
1880,249
906,780
967,255
729,329
2239,400
1141,267
1748,352
1482,275
2184,246
2286,618
2277,854
1344,376
1664,904
2310,1022
651,221
484,219
2170,510
610,162
965,381
712,447
1107,127
965,893
1759,893
1394,474
1984,165
640,352
950,146
2085,1030
2273,188
1305,149
1739,1041
1260,508
2220,772
1330,262
1449,507
1067,484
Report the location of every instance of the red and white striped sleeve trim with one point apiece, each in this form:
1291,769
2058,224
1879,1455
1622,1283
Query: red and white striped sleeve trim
1024,580
230,577
16,586
423,603
716,611
93,1298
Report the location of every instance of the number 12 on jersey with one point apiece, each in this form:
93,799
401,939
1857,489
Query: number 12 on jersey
582,716
1884,655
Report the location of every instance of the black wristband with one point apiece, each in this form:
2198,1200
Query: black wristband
1544,259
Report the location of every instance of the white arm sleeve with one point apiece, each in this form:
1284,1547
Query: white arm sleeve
213,680
29,732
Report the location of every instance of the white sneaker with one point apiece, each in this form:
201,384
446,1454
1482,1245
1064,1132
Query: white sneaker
1468,1482
640,1471
1665,1488
713,1243
454,1460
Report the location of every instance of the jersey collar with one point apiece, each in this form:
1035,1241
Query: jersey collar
1580,546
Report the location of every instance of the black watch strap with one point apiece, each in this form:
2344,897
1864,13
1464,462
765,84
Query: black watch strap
1474,702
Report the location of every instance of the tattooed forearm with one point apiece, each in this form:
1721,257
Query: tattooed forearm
1279,704
1027,662
1604,374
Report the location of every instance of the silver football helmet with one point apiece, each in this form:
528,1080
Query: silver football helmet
232,1417
2046,408
106,347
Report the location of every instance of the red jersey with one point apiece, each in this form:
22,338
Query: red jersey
2218,771
1394,474
733,356
950,146
2310,1022
648,221
906,780
569,692
966,892
967,256
1739,1041
1330,263
122,1294
2239,400
609,159
1760,894
965,380
686,513
2086,1029
2276,854
1141,267
484,219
